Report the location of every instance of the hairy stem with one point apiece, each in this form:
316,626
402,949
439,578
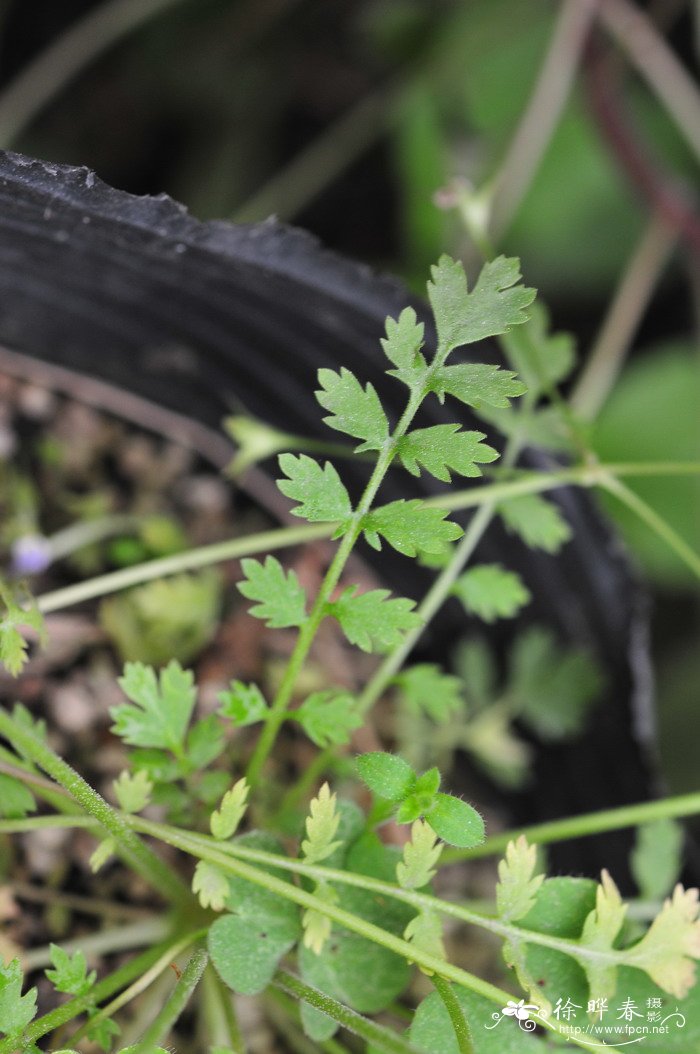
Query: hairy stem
179,998
453,1008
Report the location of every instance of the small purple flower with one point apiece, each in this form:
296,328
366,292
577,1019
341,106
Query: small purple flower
31,554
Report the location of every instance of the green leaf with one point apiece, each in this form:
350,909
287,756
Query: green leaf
16,800
425,933
328,717
420,857
243,703
321,827
442,448
319,490
456,822
410,527
386,775
372,621
425,688
432,1031
246,952
224,821
404,339
541,358
537,521
16,1010
103,1032
354,410
496,302
317,926
133,790
281,599
210,885
162,706
205,741
657,857
668,948
491,592
599,933
105,849
518,884
18,609
70,972
476,384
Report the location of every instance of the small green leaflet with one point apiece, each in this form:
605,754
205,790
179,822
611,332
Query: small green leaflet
537,521
210,886
442,448
16,800
243,703
281,599
541,358
223,822
404,339
517,882
354,410
321,495
657,857
599,933
100,856
491,592
410,527
16,1010
387,775
317,927
19,610
476,384
496,302
70,972
321,827
133,790
162,706
427,688
668,948
425,933
328,717
456,821
420,857
372,621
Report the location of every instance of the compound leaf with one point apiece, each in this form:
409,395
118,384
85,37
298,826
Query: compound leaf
224,821
133,790
420,857
491,592
429,689
354,410
444,448
70,972
318,489
321,827
281,599
16,1010
162,706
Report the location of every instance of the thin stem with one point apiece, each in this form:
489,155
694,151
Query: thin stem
383,1039
41,1026
543,111
39,81
142,859
118,938
453,1008
39,823
222,998
166,954
657,523
624,315
87,532
175,1005
76,902
656,63
582,826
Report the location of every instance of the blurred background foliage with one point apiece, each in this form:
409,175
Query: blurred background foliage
347,116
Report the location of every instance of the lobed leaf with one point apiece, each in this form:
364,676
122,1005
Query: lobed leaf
69,972
16,1010
600,930
210,886
371,620
518,884
321,827
243,703
133,790
162,706
318,489
404,339
420,857
281,600
541,358
537,521
354,410
491,592
224,821
19,610
328,717
428,689
496,302
668,948
476,384
444,448
657,857
410,527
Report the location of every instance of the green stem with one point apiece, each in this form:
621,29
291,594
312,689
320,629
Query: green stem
582,826
122,937
382,1038
221,1009
657,523
166,954
139,857
158,1030
38,823
41,1026
269,541
453,1008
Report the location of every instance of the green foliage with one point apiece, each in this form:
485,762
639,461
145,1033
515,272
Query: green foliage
162,706
243,703
210,886
491,592
657,857
133,791
410,527
170,618
281,601
16,1010
426,688
353,409
69,972
224,821
328,717
420,857
16,800
444,448
476,385
321,827
18,609
371,620
404,339
319,490
518,884
537,521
